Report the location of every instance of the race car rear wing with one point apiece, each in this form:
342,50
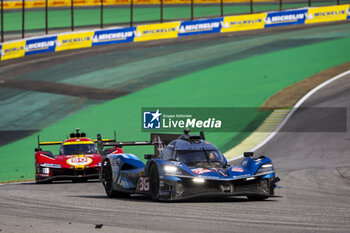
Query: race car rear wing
72,135
158,140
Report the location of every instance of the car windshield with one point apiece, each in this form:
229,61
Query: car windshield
200,158
78,149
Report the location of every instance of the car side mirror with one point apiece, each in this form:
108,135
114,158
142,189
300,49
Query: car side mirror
37,149
248,154
150,156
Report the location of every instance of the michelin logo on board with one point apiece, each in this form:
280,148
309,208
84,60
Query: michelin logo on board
283,18
41,45
200,27
113,36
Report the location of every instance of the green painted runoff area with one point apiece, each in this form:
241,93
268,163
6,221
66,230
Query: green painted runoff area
233,84
61,18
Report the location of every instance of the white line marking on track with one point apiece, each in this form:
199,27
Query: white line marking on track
298,104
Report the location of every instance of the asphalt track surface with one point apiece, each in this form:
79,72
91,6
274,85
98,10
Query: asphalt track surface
315,180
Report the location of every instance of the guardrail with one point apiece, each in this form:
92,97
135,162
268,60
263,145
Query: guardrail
85,39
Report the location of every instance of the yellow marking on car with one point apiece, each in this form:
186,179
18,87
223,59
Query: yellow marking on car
51,143
106,140
78,142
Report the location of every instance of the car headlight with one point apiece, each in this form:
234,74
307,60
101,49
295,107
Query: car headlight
45,170
198,180
267,167
171,170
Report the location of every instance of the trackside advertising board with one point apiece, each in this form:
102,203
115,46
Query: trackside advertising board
243,22
16,4
156,31
283,18
40,45
12,50
327,14
76,40
113,36
204,26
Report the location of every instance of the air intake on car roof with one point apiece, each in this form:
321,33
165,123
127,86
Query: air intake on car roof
190,138
77,134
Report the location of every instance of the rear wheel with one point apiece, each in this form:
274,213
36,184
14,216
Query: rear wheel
107,180
266,186
154,182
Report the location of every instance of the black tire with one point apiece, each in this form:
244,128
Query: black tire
266,186
154,182
107,181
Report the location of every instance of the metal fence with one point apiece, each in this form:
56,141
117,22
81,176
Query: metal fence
126,15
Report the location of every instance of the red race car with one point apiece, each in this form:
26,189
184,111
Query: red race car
77,160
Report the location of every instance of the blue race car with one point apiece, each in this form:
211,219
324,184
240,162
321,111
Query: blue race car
183,166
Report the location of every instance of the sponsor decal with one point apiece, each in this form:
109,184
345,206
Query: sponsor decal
144,184
74,41
42,45
195,27
283,18
51,165
113,36
219,170
242,176
12,50
117,162
327,14
156,31
199,171
237,169
79,161
243,22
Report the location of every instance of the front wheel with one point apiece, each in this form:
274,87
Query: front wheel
107,181
154,182
265,186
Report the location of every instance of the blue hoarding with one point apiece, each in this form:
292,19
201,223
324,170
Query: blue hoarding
40,45
204,26
113,36
282,18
